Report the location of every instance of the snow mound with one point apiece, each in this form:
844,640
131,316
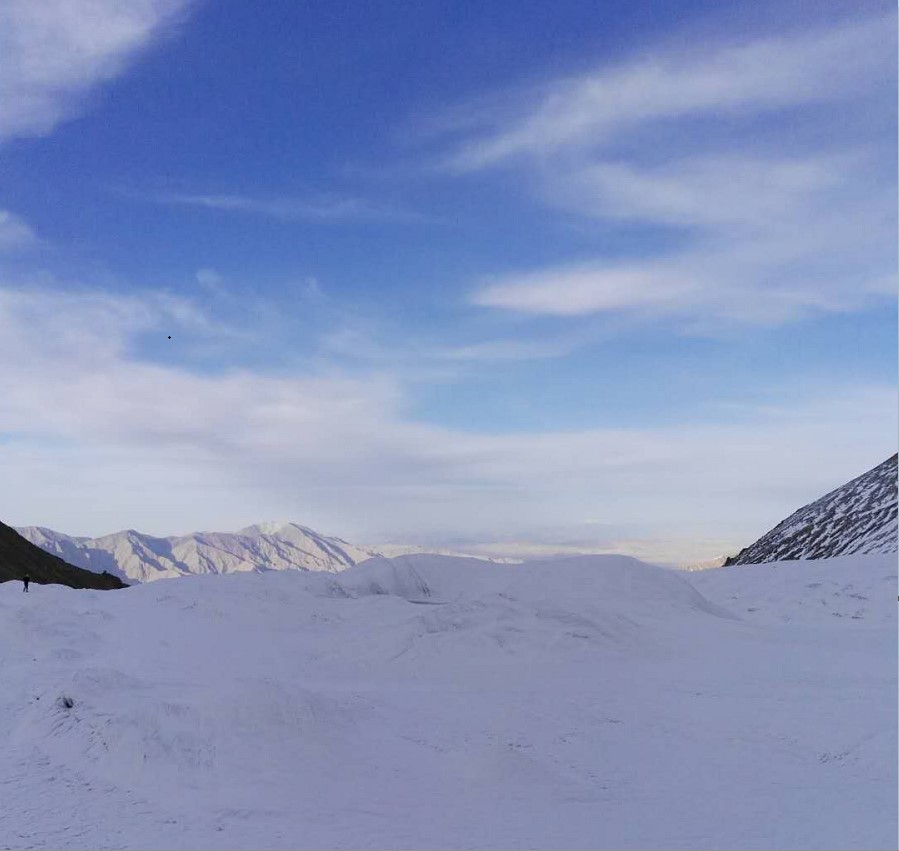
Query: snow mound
614,602
611,580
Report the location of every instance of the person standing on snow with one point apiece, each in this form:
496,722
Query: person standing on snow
25,580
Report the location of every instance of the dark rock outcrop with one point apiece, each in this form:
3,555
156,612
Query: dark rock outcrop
19,557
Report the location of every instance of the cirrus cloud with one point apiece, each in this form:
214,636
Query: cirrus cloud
760,160
15,233
54,52
581,112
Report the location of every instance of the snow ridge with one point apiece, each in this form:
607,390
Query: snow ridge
858,517
137,557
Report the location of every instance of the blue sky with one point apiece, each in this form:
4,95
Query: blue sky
613,275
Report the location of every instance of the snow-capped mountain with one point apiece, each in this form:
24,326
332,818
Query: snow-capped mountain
137,557
859,517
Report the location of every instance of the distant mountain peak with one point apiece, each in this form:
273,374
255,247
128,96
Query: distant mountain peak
858,517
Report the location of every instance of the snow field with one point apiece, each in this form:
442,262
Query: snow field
431,702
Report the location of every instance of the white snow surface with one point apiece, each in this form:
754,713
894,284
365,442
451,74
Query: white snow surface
435,702
810,591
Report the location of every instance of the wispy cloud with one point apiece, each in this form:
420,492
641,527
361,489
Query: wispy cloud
54,52
757,159
321,208
86,417
504,349
587,288
15,233
732,80
361,341
762,242
209,280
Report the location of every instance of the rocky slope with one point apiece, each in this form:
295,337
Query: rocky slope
858,517
19,557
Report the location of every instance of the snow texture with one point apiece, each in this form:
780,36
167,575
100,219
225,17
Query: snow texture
859,517
433,702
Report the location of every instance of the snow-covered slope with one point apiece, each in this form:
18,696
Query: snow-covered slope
427,702
137,557
858,517
817,591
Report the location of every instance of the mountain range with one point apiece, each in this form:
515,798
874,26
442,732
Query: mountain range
138,557
858,517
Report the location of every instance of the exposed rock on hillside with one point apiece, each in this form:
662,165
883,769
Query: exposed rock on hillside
858,517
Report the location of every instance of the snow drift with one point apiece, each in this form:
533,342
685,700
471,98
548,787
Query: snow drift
429,702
